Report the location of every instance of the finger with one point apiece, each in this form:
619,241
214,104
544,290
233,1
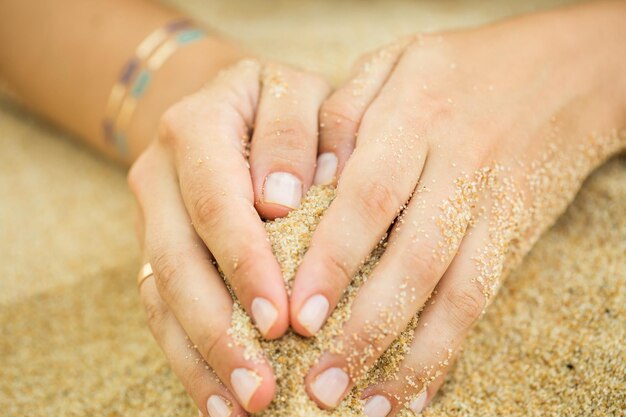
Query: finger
190,285
204,387
433,387
341,113
441,328
377,181
416,256
205,133
377,403
284,142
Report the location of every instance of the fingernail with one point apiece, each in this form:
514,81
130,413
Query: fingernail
377,406
313,313
245,383
329,386
418,403
264,314
326,168
200,413
283,188
218,406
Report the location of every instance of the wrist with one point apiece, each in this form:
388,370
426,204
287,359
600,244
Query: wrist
186,71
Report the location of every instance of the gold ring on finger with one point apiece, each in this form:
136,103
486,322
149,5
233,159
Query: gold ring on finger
144,273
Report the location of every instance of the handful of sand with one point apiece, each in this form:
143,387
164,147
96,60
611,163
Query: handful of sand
292,355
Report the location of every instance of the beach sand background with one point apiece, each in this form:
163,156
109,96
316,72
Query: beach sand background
73,335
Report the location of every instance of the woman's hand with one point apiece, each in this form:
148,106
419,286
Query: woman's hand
478,140
200,198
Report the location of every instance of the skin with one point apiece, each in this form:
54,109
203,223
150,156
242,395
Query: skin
190,169
440,107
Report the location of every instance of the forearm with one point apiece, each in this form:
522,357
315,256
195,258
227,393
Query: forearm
63,58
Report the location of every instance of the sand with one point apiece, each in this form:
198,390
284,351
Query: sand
74,340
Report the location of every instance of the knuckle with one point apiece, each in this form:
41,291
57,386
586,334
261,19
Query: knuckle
389,104
209,209
371,345
476,153
291,133
242,65
245,268
167,267
293,142
386,54
169,125
422,265
339,112
463,305
339,271
378,202
248,63
290,159
412,54
233,75
195,378
198,112
210,346
156,312
365,60
438,109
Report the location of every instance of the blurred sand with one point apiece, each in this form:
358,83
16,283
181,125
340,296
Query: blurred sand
74,341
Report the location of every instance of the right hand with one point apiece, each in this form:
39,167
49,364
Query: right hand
200,201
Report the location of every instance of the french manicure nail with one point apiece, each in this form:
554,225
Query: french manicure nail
313,313
283,188
326,168
418,403
377,406
329,386
264,314
245,383
218,406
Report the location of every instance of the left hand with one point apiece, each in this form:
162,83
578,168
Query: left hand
480,139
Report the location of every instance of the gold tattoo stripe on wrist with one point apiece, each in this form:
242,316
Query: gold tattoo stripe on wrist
136,75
